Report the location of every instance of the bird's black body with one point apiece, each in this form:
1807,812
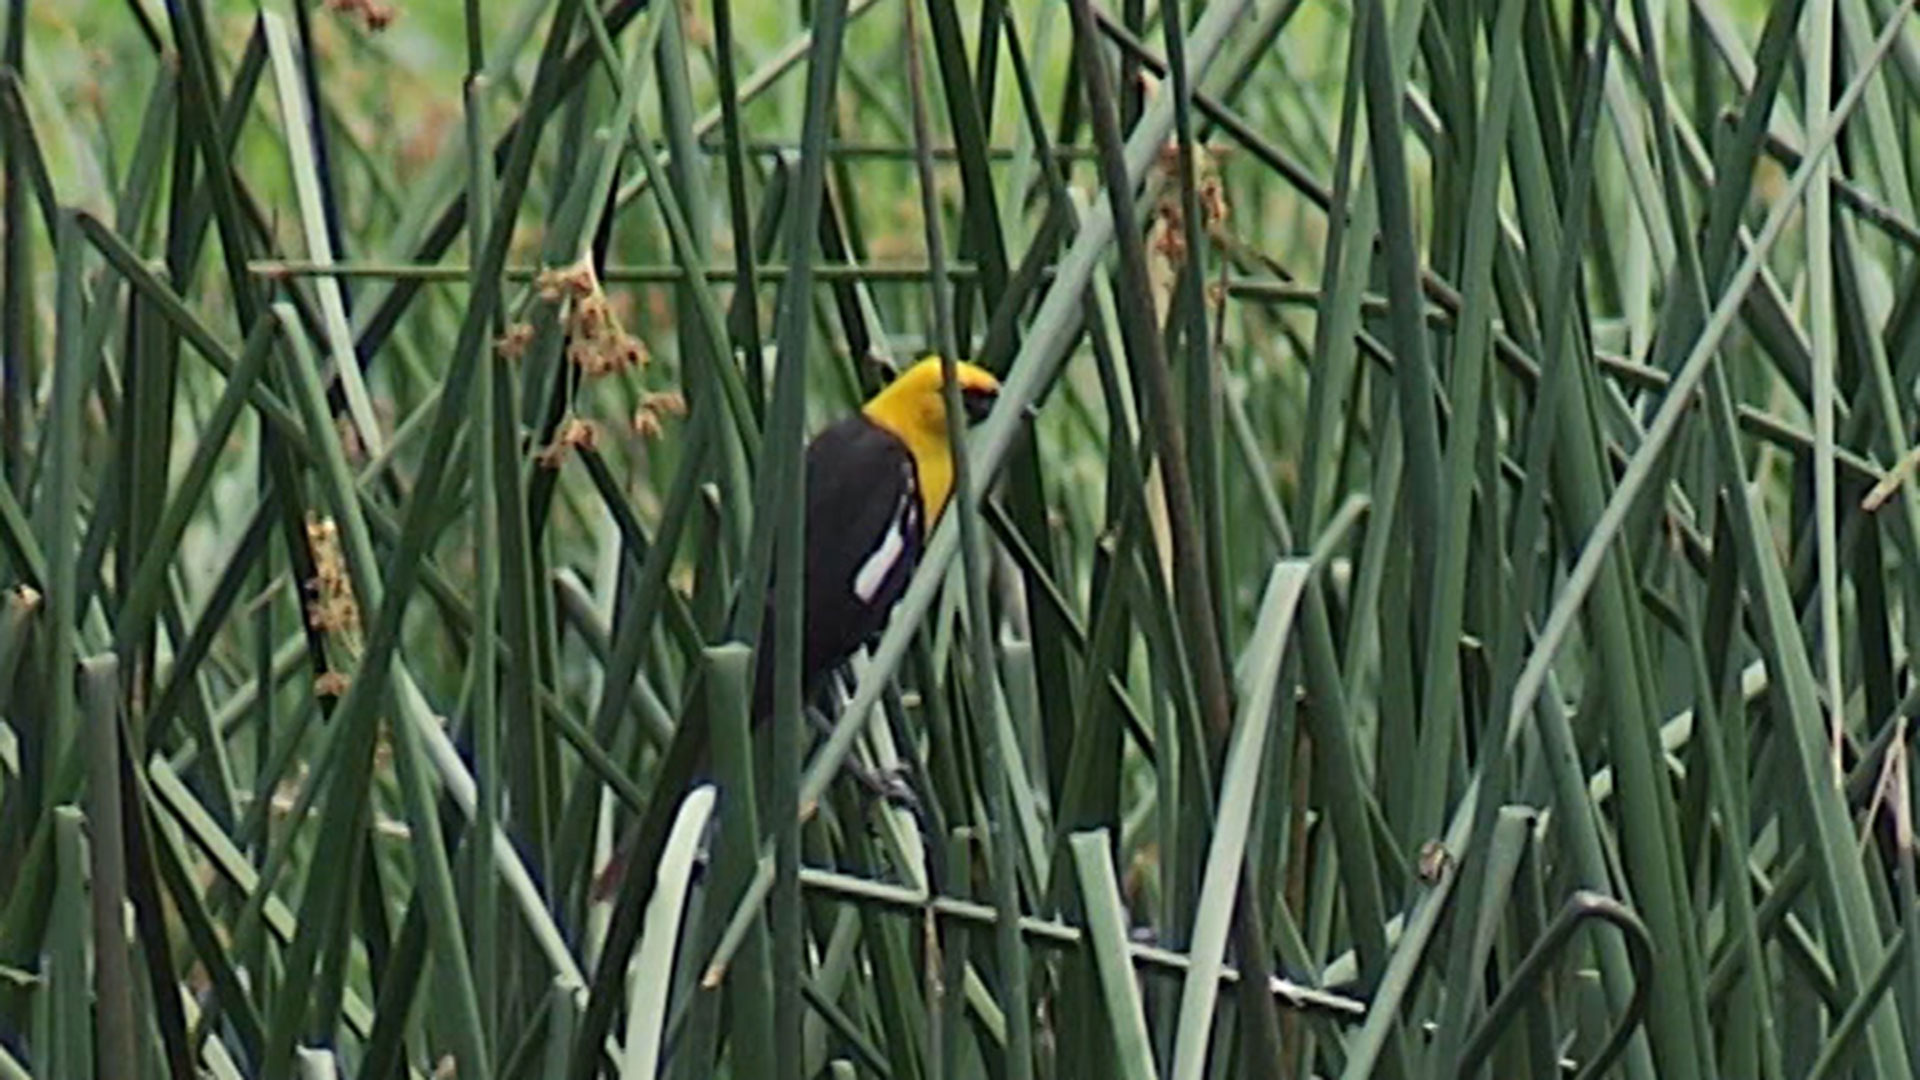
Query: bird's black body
865,527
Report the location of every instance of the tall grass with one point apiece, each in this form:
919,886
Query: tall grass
1437,596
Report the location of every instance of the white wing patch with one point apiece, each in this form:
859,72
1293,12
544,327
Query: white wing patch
873,573
879,566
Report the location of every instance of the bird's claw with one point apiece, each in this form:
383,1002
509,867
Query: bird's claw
895,785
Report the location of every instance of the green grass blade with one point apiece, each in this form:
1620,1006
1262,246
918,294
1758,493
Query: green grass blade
1107,927
1257,674
651,977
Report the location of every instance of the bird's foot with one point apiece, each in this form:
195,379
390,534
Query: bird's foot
892,785
895,785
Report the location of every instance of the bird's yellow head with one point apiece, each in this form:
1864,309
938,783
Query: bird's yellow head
914,408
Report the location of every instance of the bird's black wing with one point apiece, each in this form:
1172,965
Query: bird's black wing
864,533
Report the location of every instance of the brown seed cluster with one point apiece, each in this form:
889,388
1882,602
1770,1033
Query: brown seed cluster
648,419
598,346
512,344
372,14
574,434
596,342
1169,227
333,610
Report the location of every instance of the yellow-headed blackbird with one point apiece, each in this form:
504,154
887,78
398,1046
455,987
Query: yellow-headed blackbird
876,485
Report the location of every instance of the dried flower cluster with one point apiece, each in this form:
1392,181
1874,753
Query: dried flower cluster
597,345
648,419
1169,226
333,610
372,14
512,344
574,434
596,342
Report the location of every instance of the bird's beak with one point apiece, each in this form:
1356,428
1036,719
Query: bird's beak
978,402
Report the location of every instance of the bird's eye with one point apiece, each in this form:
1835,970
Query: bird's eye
977,401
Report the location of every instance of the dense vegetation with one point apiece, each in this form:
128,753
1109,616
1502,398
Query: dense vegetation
1438,595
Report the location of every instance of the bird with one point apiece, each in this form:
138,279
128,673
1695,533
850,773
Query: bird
876,484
